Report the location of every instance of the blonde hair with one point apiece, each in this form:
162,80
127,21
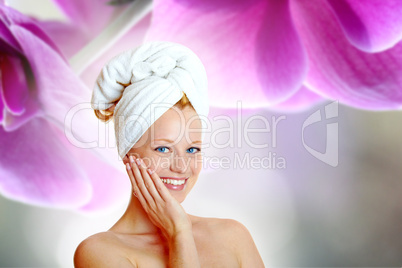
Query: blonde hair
107,115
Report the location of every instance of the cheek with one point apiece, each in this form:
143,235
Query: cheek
159,163
151,162
196,165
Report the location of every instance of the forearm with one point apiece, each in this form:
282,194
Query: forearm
182,251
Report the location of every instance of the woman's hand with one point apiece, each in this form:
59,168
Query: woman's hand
163,209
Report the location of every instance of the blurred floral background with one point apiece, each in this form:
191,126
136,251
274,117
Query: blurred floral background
285,61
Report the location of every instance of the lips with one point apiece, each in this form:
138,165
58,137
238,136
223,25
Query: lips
172,178
171,181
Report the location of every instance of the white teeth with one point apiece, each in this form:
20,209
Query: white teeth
173,182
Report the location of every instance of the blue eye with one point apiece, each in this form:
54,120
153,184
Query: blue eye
197,149
191,150
162,149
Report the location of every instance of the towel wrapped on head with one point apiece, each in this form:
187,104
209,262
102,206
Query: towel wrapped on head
145,82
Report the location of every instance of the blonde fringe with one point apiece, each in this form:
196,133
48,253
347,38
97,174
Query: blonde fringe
107,115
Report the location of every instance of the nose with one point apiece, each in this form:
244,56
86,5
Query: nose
178,164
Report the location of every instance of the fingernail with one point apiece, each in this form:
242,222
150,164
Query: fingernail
128,166
138,162
131,159
150,171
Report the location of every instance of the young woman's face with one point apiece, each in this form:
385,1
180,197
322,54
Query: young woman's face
171,147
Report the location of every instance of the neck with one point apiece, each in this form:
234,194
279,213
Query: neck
135,220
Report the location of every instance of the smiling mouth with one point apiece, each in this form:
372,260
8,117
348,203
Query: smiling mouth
174,181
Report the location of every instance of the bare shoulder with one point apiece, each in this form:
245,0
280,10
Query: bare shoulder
247,251
234,234
224,228
101,250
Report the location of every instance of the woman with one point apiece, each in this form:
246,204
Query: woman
163,162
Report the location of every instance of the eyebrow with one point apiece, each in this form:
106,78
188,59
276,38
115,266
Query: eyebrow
170,141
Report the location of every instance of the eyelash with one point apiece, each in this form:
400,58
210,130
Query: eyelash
156,149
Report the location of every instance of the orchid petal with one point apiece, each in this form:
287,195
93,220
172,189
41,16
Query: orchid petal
133,38
69,38
301,100
2,105
51,85
32,109
90,15
41,175
59,89
281,59
14,17
108,183
246,46
8,44
106,174
38,32
15,87
342,72
371,26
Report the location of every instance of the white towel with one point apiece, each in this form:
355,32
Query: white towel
149,80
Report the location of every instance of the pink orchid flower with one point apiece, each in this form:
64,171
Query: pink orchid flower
38,164
288,54
85,20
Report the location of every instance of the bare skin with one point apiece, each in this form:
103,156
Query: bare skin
155,231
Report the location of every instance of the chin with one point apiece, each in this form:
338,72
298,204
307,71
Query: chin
179,196
180,200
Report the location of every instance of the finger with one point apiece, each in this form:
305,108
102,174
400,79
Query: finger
135,193
125,159
160,186
140,182
130,174
149,183
134,185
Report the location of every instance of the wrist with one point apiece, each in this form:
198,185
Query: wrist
181,234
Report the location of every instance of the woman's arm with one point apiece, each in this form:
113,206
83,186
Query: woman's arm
182,250
166,213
